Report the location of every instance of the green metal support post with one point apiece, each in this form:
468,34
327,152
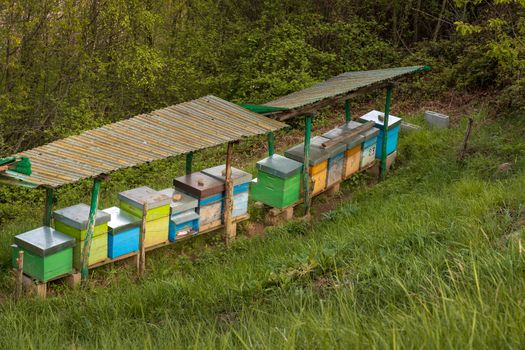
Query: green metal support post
95,194
348,116
189,161
306,164
271,144
49,206
385,130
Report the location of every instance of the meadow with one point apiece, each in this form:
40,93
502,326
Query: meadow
432,257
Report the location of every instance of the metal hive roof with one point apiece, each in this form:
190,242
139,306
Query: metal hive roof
205,122
340,86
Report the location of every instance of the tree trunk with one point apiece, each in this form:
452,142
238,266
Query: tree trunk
440,20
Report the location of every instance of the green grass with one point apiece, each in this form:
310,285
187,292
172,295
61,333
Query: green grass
430,258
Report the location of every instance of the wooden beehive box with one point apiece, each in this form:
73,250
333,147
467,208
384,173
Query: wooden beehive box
47,253
369,145
318,164
73,221
241,186
278,181
210,193
394,124
184,219
157,216
123,232
353,149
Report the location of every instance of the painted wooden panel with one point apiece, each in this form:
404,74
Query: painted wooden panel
80,234
318,177
157,231
368,154
210,226
153,214
97,253
123,243
353,158
335,169
45,268
240,204
391,144
274,191
183,229
210,213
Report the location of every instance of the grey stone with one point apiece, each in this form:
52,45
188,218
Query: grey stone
437,120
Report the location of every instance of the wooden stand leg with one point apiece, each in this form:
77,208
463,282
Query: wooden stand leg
20,274
334,189
276,216
73,280
35,288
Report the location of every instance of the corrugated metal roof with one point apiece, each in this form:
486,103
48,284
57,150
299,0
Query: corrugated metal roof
342,85
206,122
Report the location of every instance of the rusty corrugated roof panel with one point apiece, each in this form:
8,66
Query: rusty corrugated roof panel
342,85
206,122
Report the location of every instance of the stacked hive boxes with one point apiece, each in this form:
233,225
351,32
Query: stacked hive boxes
184,219
73,221
392,130
157,216
123,232
369,145
241,186
210,193
353,149
318,165
278,181
47,253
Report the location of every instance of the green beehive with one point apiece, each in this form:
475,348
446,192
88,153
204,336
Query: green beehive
47,253
73,221
278,181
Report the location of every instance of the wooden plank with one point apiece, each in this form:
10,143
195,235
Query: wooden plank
19,274
347,135
230,228
142,239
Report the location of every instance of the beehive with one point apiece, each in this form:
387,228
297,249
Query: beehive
210,193
47,253
157,216
369,145
241,185
123,232
73,221
278,181
353,149
318,164
184,219
394,124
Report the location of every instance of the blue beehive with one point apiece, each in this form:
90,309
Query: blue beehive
394,124
241,185
123,232
184,220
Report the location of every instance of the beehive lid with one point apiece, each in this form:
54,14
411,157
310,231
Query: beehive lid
180,201
238,176
137,197
371,133
317,153
77,216
44,241
121,221
279,166
184,217
199,185
375,116
350,142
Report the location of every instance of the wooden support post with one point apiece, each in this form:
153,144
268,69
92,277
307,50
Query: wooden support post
463,151
141,266
95,194
348,116
35,288
271,144
48,207
189,162
19,274
334,189
306,163
73,280
385,131
229,226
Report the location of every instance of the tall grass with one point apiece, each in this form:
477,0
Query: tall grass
430,258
